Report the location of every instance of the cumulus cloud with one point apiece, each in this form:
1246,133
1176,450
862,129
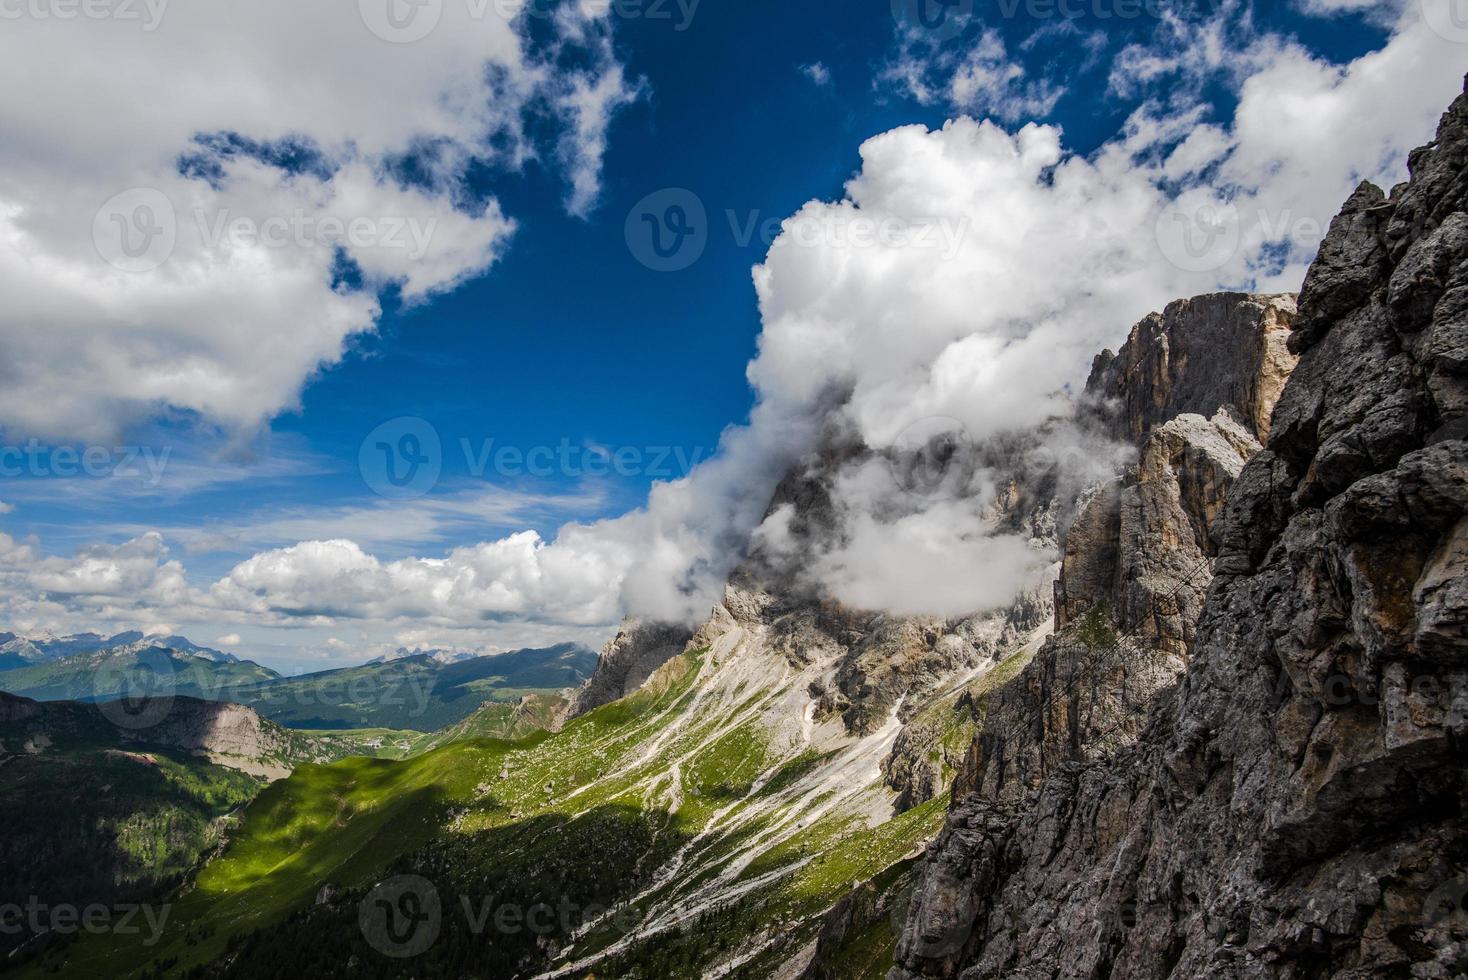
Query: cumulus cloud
130,582
198,212
515,577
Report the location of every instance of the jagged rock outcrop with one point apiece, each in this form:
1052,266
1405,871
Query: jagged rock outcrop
1139,546
878,668
221,732
1222,350
1135,572
877,665
1193,390
627,661
932,748
896,662
1294,807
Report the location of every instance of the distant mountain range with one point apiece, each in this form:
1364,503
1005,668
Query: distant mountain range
441,656
417,693
24,651
421,691
131,668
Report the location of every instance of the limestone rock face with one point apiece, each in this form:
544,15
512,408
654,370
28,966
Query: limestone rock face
1139,547
217,729
1223,350
227,734
1137,560
1294,806
1193,390
627,661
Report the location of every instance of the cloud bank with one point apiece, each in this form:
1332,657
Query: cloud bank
968,273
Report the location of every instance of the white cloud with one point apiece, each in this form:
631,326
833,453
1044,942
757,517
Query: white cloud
938,556
515,577
1381,10
200,113
818,73
228,640
135,583
1060,255
979,79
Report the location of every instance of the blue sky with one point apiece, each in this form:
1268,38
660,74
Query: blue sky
567,340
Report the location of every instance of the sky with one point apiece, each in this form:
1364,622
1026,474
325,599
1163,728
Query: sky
481,324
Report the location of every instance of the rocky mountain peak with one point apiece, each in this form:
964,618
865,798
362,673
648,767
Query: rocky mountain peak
1221,351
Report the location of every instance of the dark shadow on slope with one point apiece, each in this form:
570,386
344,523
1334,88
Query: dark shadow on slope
490,904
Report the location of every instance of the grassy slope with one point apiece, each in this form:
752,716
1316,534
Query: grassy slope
468,814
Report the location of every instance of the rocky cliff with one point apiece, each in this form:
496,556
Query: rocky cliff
627,661
1192,390
1200,354
1136,561
1293,805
